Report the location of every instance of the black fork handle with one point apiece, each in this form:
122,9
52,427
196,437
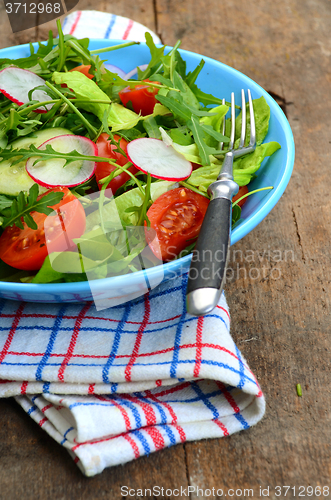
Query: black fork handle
210,256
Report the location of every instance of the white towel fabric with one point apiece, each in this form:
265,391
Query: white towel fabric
94,24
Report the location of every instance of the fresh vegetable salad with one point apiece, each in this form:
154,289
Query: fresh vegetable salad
103,173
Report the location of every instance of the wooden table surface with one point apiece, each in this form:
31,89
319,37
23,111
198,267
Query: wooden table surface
279,300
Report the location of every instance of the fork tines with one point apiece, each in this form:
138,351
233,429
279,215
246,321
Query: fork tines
243,134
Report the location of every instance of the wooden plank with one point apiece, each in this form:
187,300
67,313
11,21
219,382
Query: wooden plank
7,38
33,465
140,11
281,325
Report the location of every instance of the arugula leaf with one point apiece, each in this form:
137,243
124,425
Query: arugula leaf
236,213
161,79
174,102
23,62
186,93
152,128
20,155
216,135
181,137
191,77
203,97
198,134
180,65
18,123
21,207
5,202
110,79
168,65
156,54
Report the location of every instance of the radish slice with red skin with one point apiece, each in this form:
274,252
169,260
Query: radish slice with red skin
52,173
16,83
154,157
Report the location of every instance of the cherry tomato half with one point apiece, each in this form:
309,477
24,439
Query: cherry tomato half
27,248
242,190
84,68
108,150
142,98
176,217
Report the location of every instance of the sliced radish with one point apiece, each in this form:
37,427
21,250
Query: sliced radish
51,173
153,156
16,83
115,69
134,71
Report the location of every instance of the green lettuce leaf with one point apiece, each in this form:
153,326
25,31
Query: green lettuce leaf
95,246
84,88
190,152
160,187
262,117
243,168
47,274
215,121
121,118
116,211
66,263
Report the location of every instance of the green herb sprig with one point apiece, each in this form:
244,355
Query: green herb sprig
21,208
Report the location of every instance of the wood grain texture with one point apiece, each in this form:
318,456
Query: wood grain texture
279,294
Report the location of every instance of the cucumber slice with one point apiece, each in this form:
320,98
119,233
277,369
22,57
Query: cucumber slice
14,179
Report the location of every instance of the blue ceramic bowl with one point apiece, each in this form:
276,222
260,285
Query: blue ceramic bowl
217,79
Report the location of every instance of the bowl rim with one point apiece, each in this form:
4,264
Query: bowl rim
173,266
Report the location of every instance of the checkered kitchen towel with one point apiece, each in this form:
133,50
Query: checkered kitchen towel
116,384
95,24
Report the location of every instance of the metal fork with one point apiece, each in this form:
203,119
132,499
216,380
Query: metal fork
210,256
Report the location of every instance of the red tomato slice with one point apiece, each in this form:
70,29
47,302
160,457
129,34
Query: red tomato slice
84,68
27,249
103,169
242,190
142,98
176,217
